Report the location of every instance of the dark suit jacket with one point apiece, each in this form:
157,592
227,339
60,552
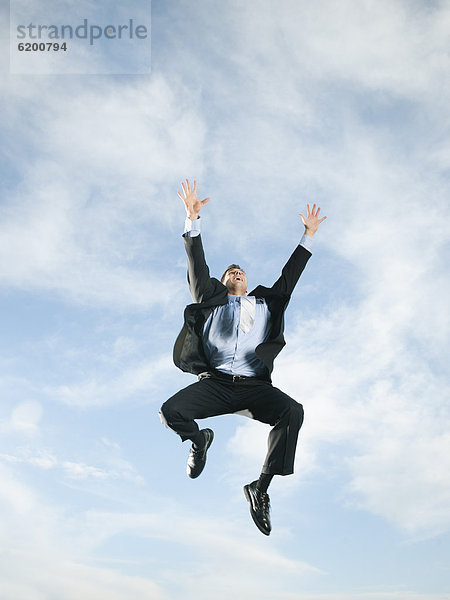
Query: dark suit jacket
208,292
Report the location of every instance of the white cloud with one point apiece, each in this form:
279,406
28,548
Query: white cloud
25,418
111,463
384,45
213,542
393,594
29,575
14,493
64,547
82,220
112,388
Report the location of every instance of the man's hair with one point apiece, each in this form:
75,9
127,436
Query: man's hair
229,268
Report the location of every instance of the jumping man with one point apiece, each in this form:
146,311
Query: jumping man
230,340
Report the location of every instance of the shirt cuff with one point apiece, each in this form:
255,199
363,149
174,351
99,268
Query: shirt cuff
191,228
306,242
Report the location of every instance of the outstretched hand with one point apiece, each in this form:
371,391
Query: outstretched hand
312,221
192,203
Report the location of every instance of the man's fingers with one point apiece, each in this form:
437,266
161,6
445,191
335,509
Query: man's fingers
310,214
186,185
203,202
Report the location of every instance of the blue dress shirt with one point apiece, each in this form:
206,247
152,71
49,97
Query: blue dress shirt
227,347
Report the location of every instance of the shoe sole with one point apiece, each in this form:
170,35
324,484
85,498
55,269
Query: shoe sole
255,520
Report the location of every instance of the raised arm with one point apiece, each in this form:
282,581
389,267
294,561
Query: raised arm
201,285
292,270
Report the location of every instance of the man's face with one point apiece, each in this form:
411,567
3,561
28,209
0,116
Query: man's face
236,282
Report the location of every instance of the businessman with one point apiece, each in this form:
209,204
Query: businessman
230,340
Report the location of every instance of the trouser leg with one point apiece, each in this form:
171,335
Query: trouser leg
270,405
282,442
205,398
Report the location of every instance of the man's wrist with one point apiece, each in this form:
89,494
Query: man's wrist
192,226
193,216
306,242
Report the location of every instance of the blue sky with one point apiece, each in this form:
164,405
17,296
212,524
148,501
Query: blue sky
269,105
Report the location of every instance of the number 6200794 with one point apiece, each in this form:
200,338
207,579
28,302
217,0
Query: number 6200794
41,46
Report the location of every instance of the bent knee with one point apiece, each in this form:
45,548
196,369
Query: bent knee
162,417
170,411
293,412
166,412
297,411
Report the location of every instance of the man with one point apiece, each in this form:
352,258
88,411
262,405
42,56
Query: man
230,340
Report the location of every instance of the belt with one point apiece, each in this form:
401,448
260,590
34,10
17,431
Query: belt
234,378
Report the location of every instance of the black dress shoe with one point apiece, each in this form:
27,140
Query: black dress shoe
197,456
259,507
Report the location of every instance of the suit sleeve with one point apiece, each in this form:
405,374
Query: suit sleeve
291,271
201,285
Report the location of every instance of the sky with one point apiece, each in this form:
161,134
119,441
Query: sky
269,105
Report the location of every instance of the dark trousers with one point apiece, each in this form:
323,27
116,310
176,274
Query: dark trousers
215,395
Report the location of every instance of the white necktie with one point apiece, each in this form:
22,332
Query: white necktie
247,316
